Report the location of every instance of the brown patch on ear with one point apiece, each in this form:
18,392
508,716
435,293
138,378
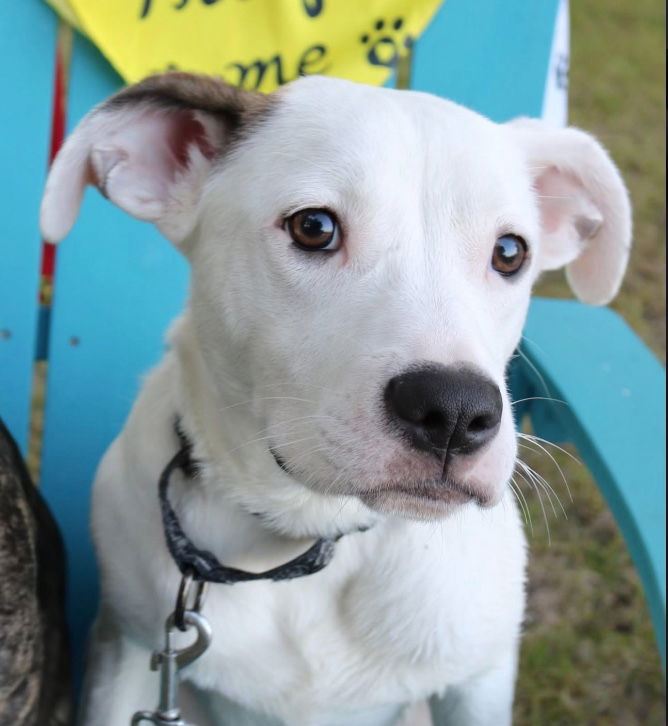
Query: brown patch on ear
237,107
149,149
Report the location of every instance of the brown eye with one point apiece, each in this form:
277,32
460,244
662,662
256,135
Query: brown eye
510,252
314,229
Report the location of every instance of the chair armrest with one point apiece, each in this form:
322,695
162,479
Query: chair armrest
613,390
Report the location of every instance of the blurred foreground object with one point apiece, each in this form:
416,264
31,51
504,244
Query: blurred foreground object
34,658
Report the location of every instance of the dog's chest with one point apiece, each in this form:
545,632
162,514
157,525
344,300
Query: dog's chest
381,624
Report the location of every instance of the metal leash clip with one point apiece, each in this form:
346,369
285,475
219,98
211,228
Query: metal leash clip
171,661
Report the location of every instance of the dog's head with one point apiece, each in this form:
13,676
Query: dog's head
362,261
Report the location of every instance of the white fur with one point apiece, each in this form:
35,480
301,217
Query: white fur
278,348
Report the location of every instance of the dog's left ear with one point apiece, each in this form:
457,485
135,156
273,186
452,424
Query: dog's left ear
584,207
149,149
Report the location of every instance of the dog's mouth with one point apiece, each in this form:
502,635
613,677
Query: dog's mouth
279,460
437,491
423,496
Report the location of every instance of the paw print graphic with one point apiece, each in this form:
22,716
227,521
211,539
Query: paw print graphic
385,43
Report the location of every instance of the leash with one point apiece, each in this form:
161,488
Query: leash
199,567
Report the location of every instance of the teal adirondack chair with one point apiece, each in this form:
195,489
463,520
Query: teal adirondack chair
118,285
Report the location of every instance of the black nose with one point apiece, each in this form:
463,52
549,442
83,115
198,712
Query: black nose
443,409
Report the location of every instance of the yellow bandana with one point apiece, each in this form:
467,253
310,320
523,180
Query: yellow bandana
252,43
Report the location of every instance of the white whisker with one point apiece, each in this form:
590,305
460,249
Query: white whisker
556,463
517,491
534,369
534,486
547,487
539,398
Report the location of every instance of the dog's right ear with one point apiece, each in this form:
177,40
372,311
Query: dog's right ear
149,150
584,207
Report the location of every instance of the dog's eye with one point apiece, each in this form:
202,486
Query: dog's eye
314,229
510,252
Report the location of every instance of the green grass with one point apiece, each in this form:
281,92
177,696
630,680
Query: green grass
588,653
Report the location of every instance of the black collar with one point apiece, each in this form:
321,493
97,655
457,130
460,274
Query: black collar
203,565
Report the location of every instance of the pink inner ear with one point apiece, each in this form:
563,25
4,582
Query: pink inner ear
146,153
556,192
134,155
184,130
565,205
550,219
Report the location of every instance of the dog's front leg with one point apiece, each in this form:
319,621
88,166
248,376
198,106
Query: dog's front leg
486,700
118,678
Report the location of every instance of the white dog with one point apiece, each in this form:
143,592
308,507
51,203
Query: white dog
362,260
